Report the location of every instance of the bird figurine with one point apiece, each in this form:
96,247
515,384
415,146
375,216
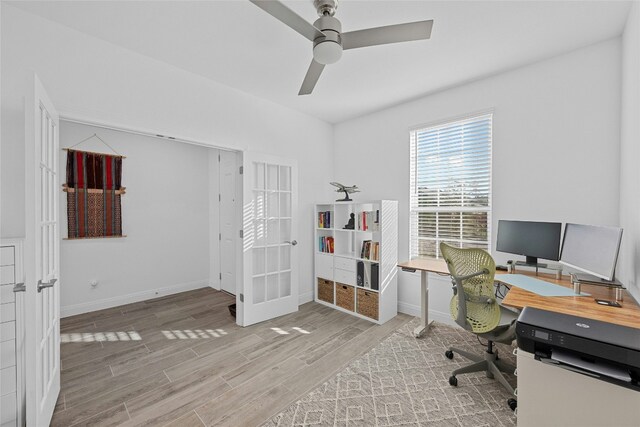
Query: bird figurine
346,189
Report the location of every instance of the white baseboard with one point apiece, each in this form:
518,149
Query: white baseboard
410,309
86,307
414,310
305,298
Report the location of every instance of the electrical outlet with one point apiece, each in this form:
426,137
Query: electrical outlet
93,283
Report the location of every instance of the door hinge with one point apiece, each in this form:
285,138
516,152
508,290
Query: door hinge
241,170
241,297
241,234
220,276
218,157
219,236
219,197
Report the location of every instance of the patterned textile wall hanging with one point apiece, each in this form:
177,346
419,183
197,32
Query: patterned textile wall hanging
94,191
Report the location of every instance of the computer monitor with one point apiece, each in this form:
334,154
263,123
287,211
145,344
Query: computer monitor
592,249
532,239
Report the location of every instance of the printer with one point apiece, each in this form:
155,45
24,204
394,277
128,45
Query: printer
576,371
598,349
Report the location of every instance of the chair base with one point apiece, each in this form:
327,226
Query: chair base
490,363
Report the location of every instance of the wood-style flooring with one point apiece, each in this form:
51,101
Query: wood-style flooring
182,361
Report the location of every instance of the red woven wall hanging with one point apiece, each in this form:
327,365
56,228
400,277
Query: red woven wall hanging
94,194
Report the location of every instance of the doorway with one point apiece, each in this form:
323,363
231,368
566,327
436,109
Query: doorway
256,236
178,217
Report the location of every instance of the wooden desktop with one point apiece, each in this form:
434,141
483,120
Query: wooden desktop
583,306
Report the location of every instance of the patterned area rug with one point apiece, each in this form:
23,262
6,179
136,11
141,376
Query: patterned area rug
404,382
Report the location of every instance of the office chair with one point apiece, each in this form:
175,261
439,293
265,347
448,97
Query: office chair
472,272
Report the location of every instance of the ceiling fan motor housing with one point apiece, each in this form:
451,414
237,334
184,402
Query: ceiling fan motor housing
328,49
325,7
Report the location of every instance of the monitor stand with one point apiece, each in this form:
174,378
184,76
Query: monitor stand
594,280
533,263
579,279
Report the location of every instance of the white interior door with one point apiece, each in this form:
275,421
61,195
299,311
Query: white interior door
228,227
41,257
270,274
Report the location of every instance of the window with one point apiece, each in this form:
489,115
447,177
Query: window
451,186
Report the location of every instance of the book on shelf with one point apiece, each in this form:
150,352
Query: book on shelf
370,250
375,277
369,221
326,244
324,219
367,278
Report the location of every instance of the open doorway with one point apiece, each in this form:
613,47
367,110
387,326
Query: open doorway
180,221
153,281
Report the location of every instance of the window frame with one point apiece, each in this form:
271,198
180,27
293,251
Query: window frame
414,210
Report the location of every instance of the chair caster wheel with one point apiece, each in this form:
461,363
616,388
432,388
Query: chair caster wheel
449,354
513,404
453,381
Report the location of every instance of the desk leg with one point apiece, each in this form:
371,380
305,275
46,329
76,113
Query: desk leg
424,306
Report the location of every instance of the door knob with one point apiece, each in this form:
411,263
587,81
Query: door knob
49,284
19,287
292,242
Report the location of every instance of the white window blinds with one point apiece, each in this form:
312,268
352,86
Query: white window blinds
451,186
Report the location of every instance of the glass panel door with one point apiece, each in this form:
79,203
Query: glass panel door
270,287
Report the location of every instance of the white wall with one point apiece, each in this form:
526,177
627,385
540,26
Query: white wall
555,148
165,218
629,267
91,79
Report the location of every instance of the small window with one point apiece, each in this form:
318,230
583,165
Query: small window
451,186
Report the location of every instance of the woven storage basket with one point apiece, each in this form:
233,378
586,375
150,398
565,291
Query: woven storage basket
367,303
345,297
325,290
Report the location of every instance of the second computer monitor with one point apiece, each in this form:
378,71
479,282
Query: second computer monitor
591,249
531,239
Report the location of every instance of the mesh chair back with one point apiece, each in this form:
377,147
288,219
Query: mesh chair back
482,310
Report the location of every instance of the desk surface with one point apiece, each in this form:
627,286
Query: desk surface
426,264
627,315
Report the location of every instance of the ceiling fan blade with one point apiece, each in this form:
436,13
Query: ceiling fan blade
390,34
310,80
288,17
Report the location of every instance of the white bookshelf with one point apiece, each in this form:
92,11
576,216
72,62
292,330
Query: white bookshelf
336,274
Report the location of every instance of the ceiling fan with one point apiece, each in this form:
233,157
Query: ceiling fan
328,39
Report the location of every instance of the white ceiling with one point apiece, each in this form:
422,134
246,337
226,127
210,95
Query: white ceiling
237,44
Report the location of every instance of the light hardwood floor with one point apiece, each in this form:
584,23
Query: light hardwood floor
182,361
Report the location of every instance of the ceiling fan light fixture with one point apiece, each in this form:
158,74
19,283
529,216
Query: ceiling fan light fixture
329,40
327,52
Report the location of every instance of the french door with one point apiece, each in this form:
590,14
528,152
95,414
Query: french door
41,257
270,266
